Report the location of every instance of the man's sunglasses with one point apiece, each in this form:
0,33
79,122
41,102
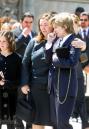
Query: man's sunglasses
83,19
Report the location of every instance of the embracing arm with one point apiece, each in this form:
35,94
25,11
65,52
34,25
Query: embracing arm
78,43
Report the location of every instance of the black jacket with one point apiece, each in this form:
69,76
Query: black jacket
21,41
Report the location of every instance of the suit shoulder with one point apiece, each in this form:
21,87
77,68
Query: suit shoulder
17,31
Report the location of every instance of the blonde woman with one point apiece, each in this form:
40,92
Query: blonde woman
62,75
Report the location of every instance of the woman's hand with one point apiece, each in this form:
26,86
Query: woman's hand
50,38
25,89
86,69
2,79
78,43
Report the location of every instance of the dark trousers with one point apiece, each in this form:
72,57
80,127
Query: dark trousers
64,113
61,113
53,111
80,105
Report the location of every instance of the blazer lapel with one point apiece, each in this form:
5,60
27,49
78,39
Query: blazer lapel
69,40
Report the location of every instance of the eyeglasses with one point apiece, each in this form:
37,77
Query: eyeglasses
83,19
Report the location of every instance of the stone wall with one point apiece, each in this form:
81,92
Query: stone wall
11,8
38,7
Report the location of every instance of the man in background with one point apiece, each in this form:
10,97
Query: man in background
24,32
79,10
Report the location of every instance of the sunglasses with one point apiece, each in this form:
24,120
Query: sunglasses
83,19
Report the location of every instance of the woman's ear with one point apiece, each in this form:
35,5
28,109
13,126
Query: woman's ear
65,27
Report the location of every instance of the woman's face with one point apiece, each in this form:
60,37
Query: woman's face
4,45
45,27
59,31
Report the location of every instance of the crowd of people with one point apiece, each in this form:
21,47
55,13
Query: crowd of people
44,70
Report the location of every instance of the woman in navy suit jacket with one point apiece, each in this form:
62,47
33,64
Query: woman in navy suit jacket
62,80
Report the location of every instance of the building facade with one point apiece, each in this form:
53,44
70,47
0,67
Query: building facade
38,7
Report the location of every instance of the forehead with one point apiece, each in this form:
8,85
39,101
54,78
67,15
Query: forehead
28,19
84,16
44,21
2,37
57,27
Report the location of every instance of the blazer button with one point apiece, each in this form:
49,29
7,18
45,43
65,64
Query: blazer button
5,116
5,95
5,105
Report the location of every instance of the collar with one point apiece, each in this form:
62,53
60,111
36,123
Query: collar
64,39
82,31
87,29
30,34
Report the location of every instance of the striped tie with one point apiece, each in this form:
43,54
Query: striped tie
84,34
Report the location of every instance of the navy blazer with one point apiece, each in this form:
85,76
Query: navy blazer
64,65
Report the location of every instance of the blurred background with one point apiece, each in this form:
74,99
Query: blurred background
15,8
11,10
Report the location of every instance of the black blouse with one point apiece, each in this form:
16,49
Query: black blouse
11,68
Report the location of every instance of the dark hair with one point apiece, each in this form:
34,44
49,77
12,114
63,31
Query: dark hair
27,14
79,9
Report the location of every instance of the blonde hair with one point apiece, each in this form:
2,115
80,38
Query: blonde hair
76,22
64,20
10,39
75,18
6,26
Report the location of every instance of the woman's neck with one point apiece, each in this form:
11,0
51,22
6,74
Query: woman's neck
6,53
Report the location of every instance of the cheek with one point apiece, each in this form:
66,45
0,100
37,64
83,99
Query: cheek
58,32
42,28
23,25
49,30
6,45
